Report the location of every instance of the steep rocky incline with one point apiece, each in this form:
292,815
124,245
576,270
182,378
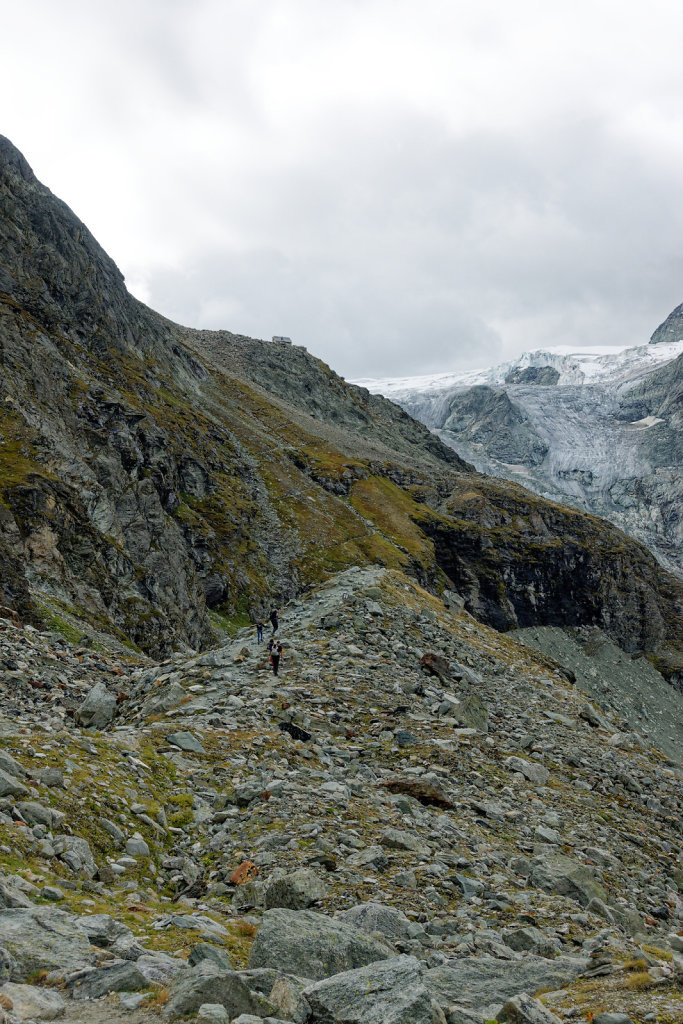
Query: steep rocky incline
419,820
159,483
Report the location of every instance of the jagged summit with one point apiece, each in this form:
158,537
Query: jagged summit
671,330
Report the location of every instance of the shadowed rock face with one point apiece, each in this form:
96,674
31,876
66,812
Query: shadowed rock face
150,473
545,375
483,416
671,329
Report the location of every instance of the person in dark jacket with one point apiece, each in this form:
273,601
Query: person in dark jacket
259,632
274,617
275,656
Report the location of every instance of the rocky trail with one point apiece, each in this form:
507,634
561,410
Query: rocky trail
419,820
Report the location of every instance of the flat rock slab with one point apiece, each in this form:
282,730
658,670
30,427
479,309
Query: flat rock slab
185,741
122,977
43,939
32,1003
311,945
480,981
387,992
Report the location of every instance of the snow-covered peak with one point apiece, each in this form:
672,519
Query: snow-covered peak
613,364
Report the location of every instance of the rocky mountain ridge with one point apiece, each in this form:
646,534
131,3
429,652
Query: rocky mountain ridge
420,820
600,429
159,484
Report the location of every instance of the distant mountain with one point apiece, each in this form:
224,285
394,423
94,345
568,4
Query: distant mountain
157,483
599,428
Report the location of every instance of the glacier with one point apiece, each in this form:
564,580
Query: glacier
595,438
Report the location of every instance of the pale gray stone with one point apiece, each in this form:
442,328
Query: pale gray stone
117,977
311,945
295,891
32,1003
207,983
523,1009
43,938
387,992
566,877
98,709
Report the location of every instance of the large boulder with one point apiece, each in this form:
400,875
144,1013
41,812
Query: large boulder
311,945
471,713
295,891
10,786
566,877
32,1003
531,770
76,854
116,977
386,992
523,1009
207,983
480,981
102,930
43,939
377,919
98,709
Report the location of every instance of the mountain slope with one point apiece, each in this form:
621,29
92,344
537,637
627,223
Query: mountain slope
156,480
602,430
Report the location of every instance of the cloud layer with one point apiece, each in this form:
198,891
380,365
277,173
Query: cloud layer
402,188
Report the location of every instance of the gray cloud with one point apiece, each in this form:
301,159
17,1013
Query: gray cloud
400,191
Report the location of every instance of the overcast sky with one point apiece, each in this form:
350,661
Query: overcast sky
401,186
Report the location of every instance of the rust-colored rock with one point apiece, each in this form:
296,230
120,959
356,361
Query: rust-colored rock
246,872
436,665
426,792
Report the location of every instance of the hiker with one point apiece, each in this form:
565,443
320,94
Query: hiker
274,616
259,632
275,656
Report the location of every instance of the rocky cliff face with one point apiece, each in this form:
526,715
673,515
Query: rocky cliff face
158,482
671,330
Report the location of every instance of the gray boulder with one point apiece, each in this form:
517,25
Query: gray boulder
207,951
172,694
213,1013
102,930
566,877
531,770
98,709
10,786
10,765
388,992
32,1003
186,741
43,939
311,945
76,854
11,896
249,1018
471,713
480,981
523,1009
377,919
117,977
207,983
295,891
